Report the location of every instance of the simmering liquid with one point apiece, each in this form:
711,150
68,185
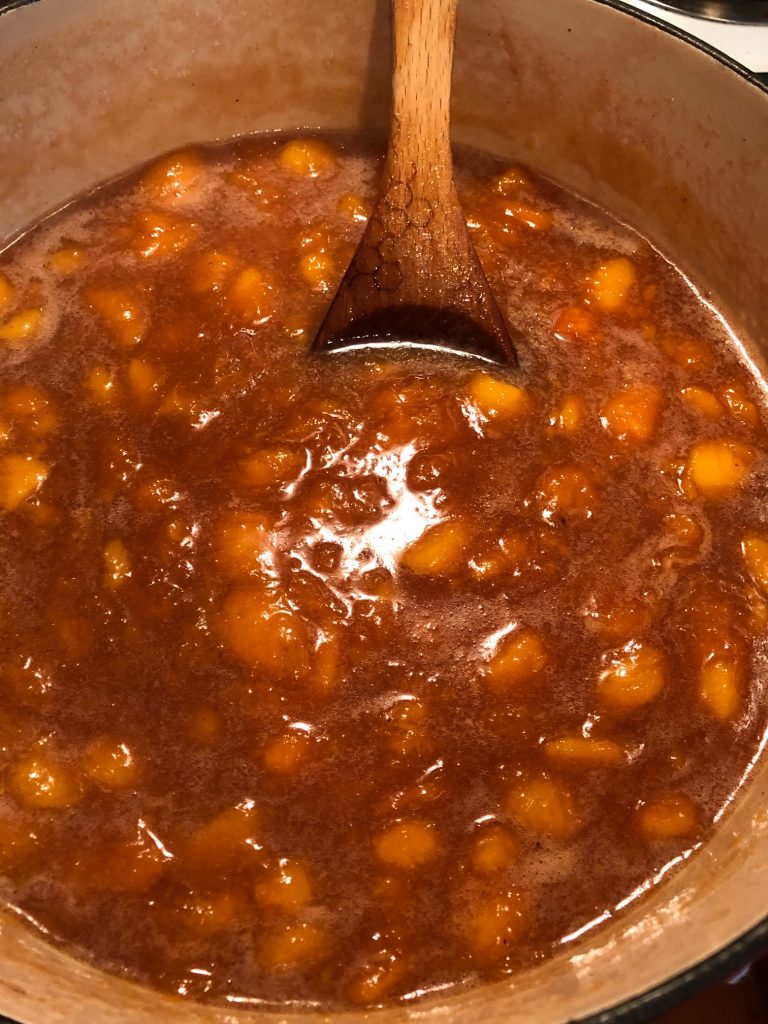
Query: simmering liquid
334,682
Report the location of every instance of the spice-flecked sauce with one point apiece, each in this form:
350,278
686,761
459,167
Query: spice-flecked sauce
333,681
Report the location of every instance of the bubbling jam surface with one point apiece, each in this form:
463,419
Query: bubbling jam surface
337,681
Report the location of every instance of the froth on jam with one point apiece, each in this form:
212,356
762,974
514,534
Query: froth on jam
334,682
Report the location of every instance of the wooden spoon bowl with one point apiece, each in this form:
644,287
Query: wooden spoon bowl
415,279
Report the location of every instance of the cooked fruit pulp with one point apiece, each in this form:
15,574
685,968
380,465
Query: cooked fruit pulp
338,681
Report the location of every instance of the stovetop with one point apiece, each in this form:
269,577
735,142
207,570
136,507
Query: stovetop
746,43
744,12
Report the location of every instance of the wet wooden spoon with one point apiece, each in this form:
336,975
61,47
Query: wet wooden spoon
415,279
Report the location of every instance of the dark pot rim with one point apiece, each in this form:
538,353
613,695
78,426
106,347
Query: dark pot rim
741,951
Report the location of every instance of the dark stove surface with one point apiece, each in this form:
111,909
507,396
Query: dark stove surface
748,12
742,1001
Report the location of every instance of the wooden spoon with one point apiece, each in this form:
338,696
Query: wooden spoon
415,279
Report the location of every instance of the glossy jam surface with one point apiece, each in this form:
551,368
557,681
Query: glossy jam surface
334,682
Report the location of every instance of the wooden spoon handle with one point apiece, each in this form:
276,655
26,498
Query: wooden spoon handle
422,33
418,220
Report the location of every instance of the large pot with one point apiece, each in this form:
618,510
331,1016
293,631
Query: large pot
663,134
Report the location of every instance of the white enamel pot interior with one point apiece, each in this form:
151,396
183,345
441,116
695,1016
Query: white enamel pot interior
659,132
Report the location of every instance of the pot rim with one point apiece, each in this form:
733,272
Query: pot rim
741,951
